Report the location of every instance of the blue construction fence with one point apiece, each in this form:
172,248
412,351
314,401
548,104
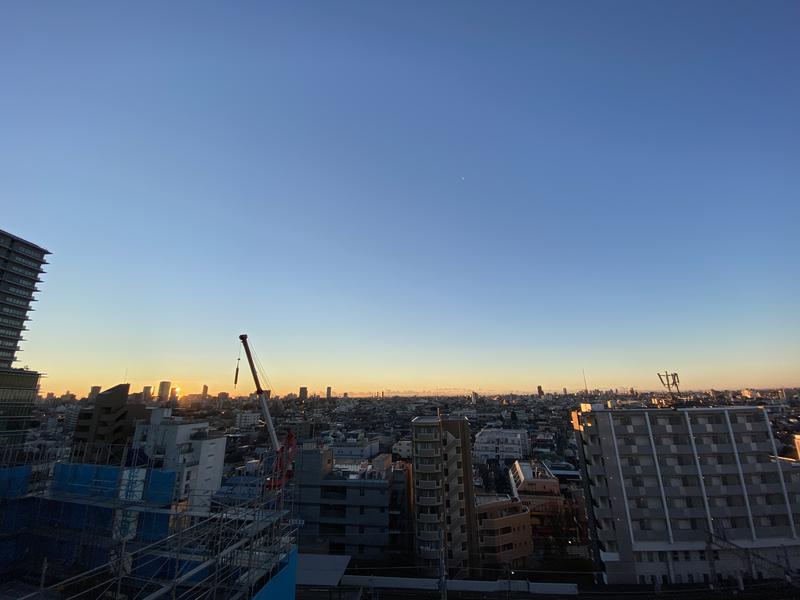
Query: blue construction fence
65,529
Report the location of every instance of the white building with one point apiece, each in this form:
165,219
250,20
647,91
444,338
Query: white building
247,419
502,445
187,448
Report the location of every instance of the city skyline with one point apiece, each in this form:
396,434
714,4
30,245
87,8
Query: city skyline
407,197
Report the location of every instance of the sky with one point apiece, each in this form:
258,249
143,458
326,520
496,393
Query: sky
407,195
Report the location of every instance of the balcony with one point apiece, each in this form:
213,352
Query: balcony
429,536
428,468
429,500
428,553
426,437
428,518
427,452
429,485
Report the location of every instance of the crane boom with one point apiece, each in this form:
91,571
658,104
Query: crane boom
273,437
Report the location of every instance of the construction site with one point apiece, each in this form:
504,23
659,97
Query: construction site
78,523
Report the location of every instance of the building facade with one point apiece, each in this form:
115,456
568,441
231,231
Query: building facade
504,534
189,449
688,495
444,495
360,508
503,446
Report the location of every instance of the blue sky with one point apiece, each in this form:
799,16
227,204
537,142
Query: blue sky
407,195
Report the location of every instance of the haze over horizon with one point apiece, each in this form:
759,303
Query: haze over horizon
407,196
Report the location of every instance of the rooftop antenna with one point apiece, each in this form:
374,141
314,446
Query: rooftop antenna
670,381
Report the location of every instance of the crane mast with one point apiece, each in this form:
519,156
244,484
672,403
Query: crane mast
262,395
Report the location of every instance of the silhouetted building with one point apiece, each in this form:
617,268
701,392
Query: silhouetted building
147,393
163,391
95,389
109,423
205,392
303,396
328,393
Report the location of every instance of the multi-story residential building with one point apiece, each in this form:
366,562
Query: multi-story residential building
189,449
501,445
360,508
107,425
504,533
444,496
246,419
20,266
681,495
540,492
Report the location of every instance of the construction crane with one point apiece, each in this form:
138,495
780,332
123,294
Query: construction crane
283,452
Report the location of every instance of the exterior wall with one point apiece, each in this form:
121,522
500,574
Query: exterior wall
659,480
504,533
444,497
502,445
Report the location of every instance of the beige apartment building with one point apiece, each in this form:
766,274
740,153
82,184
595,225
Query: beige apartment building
444,496
504,534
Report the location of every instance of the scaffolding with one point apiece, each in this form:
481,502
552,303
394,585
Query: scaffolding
108,523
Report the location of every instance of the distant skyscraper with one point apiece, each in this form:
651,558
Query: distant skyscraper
163,391
95,389
20,266
303,394
328,393
173,396
565,391
205,392
147,393
539,391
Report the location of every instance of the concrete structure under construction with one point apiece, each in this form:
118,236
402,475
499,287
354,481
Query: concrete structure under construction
89,530
689,495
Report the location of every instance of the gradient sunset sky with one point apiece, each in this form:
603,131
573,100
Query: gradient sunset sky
407,195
